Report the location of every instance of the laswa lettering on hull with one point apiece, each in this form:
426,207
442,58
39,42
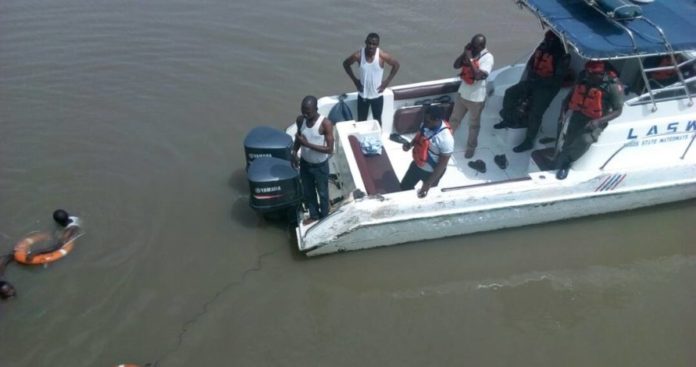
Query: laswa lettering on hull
662,129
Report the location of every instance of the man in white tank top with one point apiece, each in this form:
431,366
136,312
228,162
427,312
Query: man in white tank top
315,138
370,85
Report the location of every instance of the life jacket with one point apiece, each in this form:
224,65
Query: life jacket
467,73
543,64
663,74
589,100
421,145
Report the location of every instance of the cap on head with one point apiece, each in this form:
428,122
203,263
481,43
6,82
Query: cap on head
434,112
61,217
594,66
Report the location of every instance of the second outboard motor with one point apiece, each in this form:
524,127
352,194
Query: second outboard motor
274,185
266,141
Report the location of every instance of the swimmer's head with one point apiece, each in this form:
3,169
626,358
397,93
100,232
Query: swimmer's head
61,217
7,290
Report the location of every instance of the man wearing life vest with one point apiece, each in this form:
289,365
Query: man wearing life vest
544,74
315,138
432,147
371,60
596,99
475,63
663,78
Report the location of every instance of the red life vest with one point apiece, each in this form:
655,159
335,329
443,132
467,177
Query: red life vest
663,74
543,65
589,100
467,73
421,145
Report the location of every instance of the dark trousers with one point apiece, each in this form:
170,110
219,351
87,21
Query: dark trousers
315,181
540,95
577,141
365,104
413,175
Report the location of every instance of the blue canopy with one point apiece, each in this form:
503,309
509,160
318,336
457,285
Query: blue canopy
596,37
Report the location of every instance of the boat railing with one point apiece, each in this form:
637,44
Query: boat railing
664,93
668,48
688,146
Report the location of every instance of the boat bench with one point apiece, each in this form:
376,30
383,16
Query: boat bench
425,90
376,170
544,158
408,119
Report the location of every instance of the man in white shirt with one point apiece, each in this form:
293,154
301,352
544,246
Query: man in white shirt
315,138
371,60
476,64
432,147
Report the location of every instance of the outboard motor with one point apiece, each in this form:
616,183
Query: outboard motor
266,141
274,185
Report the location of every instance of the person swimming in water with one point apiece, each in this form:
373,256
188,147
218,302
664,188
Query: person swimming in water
71,230
7,290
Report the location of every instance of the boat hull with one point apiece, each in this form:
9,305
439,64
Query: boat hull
375,221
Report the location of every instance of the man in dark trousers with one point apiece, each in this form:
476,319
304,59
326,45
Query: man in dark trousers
316,140
370,85
433,146
544,75
595,100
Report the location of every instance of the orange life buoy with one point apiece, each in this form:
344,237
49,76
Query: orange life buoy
23,247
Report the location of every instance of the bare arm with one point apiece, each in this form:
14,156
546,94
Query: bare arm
296,144
437,173
388,59
466,59
347,66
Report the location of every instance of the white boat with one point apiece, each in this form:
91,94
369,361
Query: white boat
646,156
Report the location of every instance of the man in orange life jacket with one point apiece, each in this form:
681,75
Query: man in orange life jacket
432,147
663,78
595,100
475,63
545,72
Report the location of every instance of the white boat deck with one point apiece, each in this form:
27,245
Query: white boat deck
491,142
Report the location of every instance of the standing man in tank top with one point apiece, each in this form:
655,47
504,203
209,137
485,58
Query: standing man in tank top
370,85
316,140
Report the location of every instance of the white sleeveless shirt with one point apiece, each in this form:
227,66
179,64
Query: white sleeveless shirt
313,137
370,75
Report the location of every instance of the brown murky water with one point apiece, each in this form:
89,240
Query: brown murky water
131,115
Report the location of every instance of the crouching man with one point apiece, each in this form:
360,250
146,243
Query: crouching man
595,100
432,147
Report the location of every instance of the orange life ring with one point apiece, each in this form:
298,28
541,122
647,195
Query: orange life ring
23,247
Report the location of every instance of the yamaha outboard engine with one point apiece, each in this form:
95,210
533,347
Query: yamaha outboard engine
274,183
266,141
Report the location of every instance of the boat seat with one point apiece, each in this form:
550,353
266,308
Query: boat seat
544,158
408,119
425,91
376,170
